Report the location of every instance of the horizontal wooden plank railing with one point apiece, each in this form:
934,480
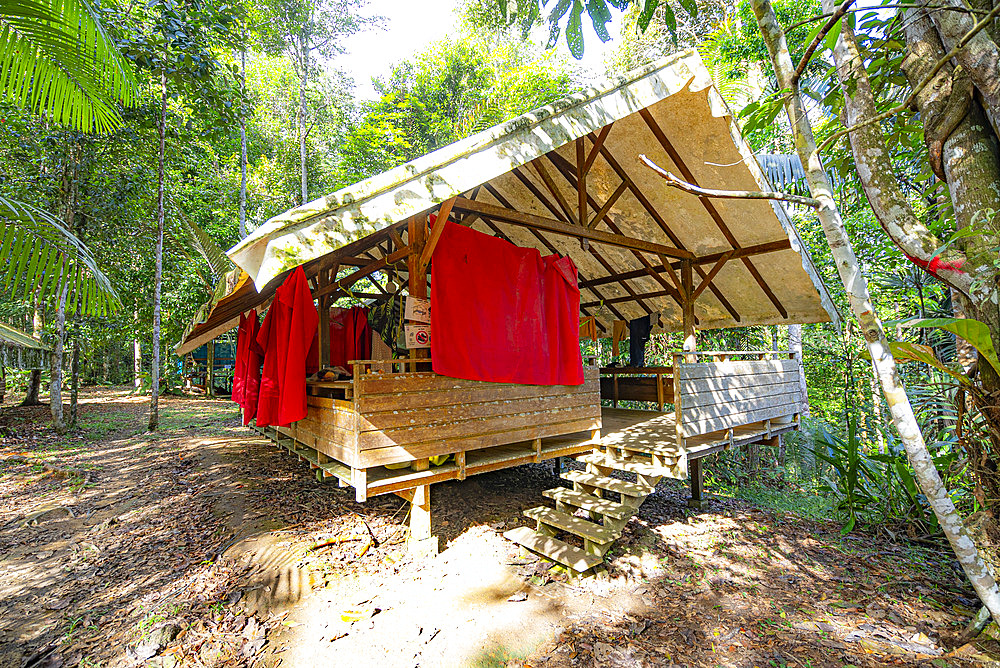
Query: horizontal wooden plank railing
717,393
654,384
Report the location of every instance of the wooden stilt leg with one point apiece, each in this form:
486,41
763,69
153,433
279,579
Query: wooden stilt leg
697,499
421,542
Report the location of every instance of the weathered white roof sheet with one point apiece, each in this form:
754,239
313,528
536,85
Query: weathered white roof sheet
679,96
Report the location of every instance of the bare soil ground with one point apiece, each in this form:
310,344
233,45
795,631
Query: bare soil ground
202,545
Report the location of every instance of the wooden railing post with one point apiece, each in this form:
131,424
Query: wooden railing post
690,336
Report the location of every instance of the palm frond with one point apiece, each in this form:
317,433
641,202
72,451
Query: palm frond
41,256
55,57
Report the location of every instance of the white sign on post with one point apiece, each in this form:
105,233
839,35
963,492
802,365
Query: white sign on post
418,336
417,309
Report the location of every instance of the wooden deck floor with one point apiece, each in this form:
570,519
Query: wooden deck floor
641,430
629,431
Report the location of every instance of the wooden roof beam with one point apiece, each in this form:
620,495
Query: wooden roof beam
541,239
341,285
544,201
759,249
554,226
654,214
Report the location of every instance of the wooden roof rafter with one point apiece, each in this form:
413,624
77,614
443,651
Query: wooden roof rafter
541,238
523,178
675,157
658,219
589,137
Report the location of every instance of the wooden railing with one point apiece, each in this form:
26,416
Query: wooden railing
719,393
654,384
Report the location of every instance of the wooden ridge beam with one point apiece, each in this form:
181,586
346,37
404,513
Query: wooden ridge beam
675,157
554,226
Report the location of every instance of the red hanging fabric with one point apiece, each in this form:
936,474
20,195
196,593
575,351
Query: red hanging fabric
350,339
350,336
251,369
285,337
503,313
239,365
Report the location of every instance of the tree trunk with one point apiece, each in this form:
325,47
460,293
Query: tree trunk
243,146
857,291
55,386
154,398
136,355
980,58
34,382
303,79
74,378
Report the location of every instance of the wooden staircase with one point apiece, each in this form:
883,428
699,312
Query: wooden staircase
606,504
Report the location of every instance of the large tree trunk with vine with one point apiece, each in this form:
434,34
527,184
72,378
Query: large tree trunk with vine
858,295
964,152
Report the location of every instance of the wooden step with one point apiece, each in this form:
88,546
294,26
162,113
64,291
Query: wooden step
611,484
589,502
554,549
667,451
575,525
640,468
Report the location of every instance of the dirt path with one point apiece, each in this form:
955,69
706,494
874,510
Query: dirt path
201,545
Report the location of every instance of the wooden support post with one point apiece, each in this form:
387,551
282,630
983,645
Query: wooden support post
421,542
538,449
417,233
210,370
359,480
460,462
659,392
697,499
690,337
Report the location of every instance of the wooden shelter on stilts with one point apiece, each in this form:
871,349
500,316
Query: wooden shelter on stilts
565,180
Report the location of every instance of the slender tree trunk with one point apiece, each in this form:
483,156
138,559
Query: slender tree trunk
243,145
106,364
303,80
856,285
74,378
154,399
136,355
55,387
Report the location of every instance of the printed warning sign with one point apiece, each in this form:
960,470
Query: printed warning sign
418,336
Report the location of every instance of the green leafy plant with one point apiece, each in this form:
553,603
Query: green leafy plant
56,58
